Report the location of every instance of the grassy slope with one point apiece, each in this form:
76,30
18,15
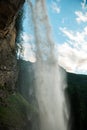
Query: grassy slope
15,114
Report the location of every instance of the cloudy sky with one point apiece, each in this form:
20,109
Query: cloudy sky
68,20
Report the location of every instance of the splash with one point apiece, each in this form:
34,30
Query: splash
50,80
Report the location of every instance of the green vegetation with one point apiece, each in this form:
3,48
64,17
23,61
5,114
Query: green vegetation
77,91
14,115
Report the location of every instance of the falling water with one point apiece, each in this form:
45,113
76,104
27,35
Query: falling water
50,80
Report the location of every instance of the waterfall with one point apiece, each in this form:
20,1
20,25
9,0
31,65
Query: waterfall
50,81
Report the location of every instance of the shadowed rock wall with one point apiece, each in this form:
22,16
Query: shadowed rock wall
8,62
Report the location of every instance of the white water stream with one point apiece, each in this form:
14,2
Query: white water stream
50,80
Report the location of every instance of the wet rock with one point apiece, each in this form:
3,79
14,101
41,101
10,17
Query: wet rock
8,61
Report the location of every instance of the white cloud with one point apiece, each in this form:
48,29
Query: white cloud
28,46
29,55
81,16
75,38
26,37
73,53
55,7
72,59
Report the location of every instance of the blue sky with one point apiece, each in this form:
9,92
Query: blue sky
68,19
61,15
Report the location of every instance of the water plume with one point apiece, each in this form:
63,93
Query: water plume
50,81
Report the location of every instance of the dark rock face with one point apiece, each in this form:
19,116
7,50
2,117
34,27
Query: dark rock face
26,80
26,87
8,62
8,14
77,91
8,65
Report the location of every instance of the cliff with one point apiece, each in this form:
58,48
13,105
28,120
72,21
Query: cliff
12,104
8,62
16,112
77,92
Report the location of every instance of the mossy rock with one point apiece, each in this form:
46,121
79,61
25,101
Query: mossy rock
17,114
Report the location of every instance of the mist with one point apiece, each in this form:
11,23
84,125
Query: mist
50,80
